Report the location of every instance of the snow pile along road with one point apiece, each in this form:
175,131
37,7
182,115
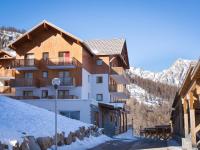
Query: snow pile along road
19,119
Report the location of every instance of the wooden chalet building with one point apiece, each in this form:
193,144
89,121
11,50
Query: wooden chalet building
92,73
186,107
6,71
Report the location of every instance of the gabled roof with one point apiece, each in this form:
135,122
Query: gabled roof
10,53
105,47
44,22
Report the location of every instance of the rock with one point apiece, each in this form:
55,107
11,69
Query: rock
45,142
29,143
68,140
73,137
60,139
16,147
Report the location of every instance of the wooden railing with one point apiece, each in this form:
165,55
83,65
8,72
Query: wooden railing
22,82
25,63
61,61
119,71
7,73
119,88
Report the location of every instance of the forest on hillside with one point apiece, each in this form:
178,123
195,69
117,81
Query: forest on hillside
144,115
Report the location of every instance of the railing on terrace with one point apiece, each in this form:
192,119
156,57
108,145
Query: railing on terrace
7,73
22,82
119,88
119,71
25,63
68,81
62,61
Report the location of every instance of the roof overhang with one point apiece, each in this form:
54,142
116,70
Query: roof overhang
46,25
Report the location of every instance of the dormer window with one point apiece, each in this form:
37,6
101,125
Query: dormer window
99,62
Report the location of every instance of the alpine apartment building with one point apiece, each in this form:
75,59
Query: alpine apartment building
92,73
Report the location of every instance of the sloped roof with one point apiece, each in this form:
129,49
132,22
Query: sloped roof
49,24
8,52
105,47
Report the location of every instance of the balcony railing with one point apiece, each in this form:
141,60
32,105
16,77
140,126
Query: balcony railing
22,82
120,71
25,63
69,81
119,89
62,61
7,73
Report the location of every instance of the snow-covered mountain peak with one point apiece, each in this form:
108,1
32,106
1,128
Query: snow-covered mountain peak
174,75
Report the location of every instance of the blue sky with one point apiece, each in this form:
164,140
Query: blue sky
157,31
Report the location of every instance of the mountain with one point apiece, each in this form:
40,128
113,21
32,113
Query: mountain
151,87
8,34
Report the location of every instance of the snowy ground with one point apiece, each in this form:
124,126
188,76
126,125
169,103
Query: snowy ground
20,119
127,136
87,143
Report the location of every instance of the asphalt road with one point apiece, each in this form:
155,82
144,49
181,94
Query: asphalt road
132,145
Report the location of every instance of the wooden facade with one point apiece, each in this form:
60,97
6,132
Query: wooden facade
47,50
188,117
6,72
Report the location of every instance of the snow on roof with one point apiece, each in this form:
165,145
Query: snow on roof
114,105
9,52
19,119
106,47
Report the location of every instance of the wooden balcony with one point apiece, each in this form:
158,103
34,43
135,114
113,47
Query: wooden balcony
7,74
69,81
25,64
119,91
119,75
22,82
61,63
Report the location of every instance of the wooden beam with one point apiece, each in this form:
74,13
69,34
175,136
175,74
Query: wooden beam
13,47
29,37
191,100
45,26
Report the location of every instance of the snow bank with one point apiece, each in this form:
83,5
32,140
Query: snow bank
18,119
86,143
127,136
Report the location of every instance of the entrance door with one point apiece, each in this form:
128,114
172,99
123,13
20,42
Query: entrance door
96,118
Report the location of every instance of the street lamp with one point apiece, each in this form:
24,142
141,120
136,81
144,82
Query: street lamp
56,83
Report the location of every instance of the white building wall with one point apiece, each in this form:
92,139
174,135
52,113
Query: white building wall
65,105
100,88
86,84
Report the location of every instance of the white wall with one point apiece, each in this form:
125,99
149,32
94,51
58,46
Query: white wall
65,105
86,85
100,88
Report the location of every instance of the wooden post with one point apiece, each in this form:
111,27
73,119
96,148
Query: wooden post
192,119
184,102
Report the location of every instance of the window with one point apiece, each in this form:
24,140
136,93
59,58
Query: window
27,93
99,97
29,59
45,56
64,57
63,94
99,79
44,93
28,75
99,62
45,74
71,114
88,78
